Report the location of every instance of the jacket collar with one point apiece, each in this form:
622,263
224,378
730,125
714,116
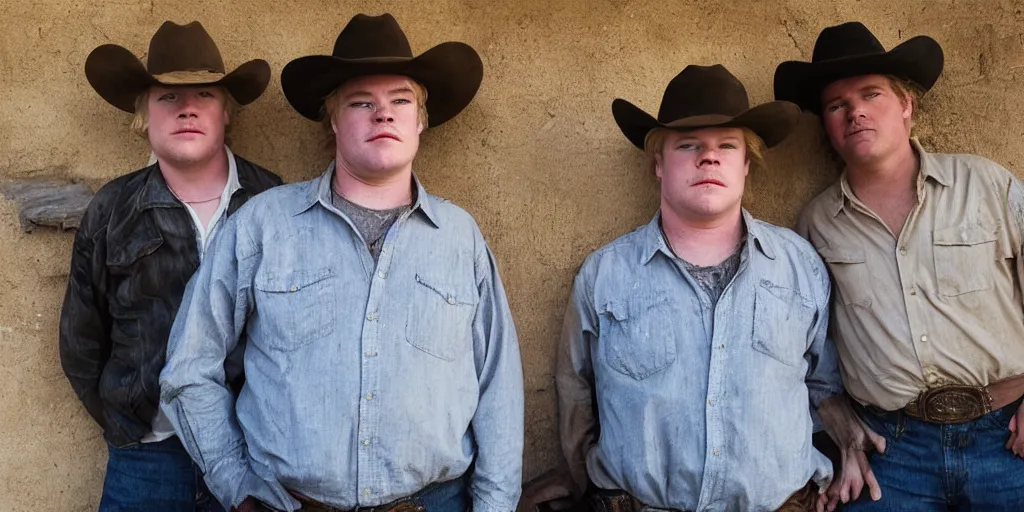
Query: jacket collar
156,194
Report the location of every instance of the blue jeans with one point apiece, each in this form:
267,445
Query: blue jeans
155,477
932,467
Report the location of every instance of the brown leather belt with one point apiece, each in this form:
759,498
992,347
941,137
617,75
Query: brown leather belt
402,505
950,405
620,501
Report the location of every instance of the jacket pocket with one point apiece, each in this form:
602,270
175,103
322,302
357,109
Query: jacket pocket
296,307
638,335
850,272
964,257
440,316
782,321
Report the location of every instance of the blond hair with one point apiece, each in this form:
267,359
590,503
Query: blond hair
333,101
654,143
140,122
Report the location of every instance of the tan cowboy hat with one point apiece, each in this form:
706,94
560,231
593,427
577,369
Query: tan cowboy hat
375,45
707,97
178,55
850,50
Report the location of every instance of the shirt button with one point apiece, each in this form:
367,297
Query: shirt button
924,338
451,300
366,442
372,316
367,491
369,353
711,402
715,452
369,396
913,291
382,274
294,288
903,250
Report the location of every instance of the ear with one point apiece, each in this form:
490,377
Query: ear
746,168
908,107
419,128
657,166
334,126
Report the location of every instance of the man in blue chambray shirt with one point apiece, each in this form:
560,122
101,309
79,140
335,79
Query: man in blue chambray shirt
694,348
382,366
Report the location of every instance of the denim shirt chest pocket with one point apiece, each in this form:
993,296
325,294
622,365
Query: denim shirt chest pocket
638,335
440,315
782,320
296,305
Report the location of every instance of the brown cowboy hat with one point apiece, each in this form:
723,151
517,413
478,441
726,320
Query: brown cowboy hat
178,55
375,45
850,50
706,97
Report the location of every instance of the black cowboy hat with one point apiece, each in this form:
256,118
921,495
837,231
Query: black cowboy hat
375,45
706,97
178,55
850,50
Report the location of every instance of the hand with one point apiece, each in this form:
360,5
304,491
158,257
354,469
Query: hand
854,439
1016,442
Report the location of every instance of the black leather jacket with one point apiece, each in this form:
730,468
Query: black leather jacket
133,255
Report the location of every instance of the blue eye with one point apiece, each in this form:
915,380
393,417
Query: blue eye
361,104
402,101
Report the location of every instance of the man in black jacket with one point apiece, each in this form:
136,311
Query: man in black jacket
140,241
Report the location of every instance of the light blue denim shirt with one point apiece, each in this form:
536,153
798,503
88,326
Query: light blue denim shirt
690,405
364,383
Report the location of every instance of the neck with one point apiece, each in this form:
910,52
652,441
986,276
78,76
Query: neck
381,192
893,174
702,241
196,181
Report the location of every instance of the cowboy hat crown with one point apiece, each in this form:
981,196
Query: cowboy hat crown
451,72
849,50
706,97
178,55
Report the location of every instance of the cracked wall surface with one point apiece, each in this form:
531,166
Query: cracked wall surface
536,158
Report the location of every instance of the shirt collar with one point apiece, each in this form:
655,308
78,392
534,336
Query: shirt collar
157,194
654,240
928,168
320,192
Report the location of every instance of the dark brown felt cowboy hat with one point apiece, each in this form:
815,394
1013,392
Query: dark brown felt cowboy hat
178,55
850,50
707,97
375,45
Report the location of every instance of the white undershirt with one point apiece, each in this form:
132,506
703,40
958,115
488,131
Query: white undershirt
162,428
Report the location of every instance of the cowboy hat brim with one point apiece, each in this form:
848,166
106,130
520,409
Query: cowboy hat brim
120,77
771,121
918,60
451,72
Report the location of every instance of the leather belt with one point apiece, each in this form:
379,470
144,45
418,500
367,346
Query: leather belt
950,405
402,505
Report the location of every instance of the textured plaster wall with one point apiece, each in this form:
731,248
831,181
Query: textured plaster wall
537,158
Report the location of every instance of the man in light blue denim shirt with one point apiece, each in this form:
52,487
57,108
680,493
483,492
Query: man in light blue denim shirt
694,348
382,366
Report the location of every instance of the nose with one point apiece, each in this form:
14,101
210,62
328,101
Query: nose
855,111
383,114
708,157
188,108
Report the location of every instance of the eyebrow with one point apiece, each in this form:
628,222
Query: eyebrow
392,92
866,88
